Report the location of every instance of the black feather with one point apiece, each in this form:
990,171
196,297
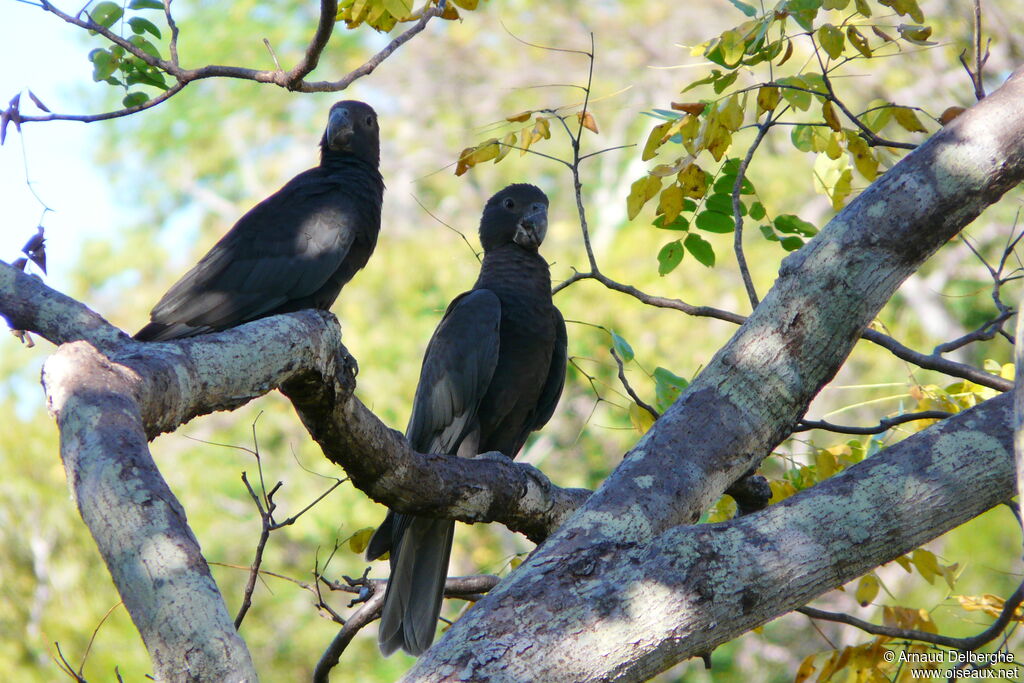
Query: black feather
296,249
492,373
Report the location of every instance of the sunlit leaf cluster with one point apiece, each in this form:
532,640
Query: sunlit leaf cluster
384,15
757,81
118,67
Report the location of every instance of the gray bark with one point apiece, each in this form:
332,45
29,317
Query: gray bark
632,588
744,403
110,394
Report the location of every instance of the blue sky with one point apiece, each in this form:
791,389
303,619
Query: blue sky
40,52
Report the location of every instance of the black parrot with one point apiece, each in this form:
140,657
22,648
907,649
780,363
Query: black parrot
296,249
492,373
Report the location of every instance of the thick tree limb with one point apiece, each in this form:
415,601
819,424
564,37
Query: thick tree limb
745,402
110,394
625,611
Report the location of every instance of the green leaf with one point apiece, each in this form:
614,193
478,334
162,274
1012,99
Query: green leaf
140,25
133,99
144,45
670,256
749,10
722,203
713,221
679,223
800,99
757,211
768,233
667,387
790,224
731,166
802,137
732,46
832,40
722,83
103,65
622,347
145,4
106,14
725,183
700,248
791,243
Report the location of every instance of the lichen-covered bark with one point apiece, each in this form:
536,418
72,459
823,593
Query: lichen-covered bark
624,611
111,394
138,524
750,395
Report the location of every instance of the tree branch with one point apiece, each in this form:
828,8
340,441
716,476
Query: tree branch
730,417
293,79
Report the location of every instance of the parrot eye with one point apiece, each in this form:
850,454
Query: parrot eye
369,120
509,204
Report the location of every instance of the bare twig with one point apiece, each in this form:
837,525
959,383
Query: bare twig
965,644
737,216
884,425
293,79
266,509
938,363
979,60
173,46
65,666
371,595
629,389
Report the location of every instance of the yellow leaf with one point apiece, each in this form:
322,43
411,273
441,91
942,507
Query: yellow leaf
826,464
908,119
655,140
467,4
400,9
358,541
641,420
858,40
520,117
987,603
640,192
828,112
918,35
863,159
867,589
506,146
806,669
719,142
463,164
671,202
781,490
950,573
541,129
730,113
693,181
904,562
926,563
525,140
788,53
515,562
767,99
587,119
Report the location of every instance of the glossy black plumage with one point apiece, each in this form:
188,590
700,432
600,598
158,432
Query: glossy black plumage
492,373
296,249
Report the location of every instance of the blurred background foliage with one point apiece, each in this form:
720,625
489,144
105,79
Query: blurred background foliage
183,172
